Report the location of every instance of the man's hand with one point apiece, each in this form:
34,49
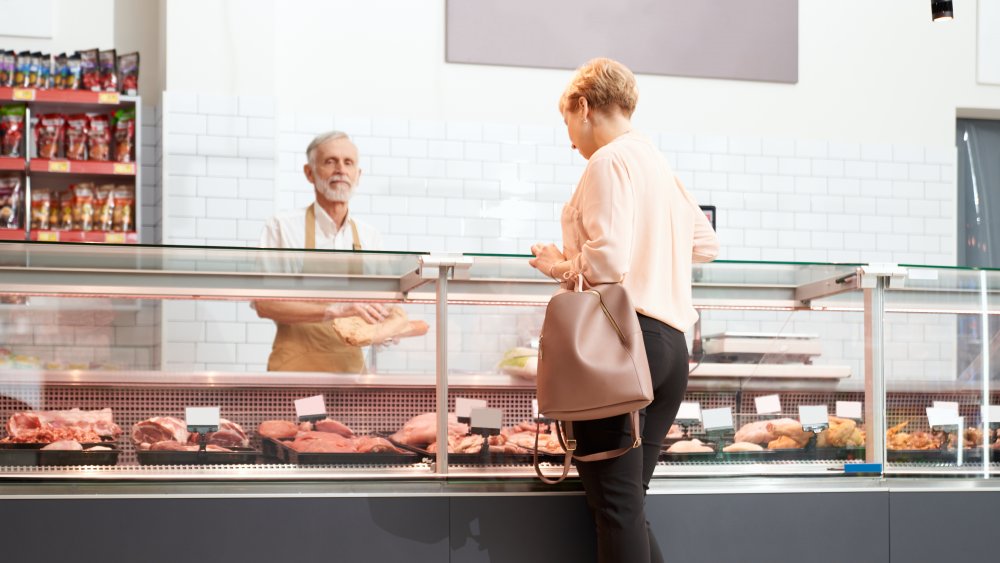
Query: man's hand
372,313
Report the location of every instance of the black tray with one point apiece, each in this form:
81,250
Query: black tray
936,456
281,450
790,454
33,455
164,457
487,458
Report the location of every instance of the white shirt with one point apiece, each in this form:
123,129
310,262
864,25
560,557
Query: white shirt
631,221
288,230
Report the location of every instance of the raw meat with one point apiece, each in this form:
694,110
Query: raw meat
168,446
335,426
755,433
64,445
278,429
374,444
229,435
48,434
842,433
784,443
743,447
159,429
322,442
359,332
689,446
791,428
98,449
422,429
100,422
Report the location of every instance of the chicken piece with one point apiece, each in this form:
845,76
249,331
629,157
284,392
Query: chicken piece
790,428
278,429
374,444
784,443
71,445
322,442
98,449
842,433
743,447
334,426
759,432
421,430
356,331
689,446
675,432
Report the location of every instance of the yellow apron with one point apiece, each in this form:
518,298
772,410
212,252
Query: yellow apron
314,346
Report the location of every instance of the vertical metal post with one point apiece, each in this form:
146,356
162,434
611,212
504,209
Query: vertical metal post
984,304
875,373
442,369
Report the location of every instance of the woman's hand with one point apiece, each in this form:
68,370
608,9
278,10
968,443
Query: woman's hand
546,256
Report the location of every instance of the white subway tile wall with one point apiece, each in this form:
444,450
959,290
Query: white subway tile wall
229,163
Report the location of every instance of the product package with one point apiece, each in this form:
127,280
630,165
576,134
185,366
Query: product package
8,66
45,71
124,136
128,73
83,206
99,138
104,203
59,72
22,68
12,130
65,221
33,70
109,70
41,209
10,202
90,71
49,131
124,202
73,73
77,129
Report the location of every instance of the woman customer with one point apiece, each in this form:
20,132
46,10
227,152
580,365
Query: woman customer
630,220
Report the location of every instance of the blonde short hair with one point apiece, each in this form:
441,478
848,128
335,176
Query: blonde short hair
604,83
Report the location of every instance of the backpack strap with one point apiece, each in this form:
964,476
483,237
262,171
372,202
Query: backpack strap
569,445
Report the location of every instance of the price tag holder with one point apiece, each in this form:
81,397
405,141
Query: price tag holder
814,418
849,409
942,417
114,238
107,98
59,166
949,406
463,408
48,236
23,94
485,421
717,420
689,413
993,414
768,404
123,168
311,409
201,420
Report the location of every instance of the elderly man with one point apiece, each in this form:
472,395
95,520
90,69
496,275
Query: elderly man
306,340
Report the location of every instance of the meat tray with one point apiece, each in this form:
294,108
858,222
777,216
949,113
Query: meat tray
936,456
33,455
797,454
281,451
166,457
489,458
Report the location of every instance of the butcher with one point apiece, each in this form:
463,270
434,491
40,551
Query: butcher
305,340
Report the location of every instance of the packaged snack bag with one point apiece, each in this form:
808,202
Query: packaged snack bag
45,71
77,129
8,65
124,136
128,73
73,75
90,70
49,131
65,210
124,197
83,206
104,203
59,72
10,202
109,70
99,138
22,69
11,129
41,209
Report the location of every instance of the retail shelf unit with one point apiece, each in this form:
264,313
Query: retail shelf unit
60,173
876,326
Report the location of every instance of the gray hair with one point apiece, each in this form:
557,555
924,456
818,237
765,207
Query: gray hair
322,138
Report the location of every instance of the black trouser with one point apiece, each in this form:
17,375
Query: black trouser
616,488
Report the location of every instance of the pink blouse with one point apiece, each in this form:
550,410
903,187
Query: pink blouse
631,220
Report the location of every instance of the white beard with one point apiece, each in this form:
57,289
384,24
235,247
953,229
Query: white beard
334,188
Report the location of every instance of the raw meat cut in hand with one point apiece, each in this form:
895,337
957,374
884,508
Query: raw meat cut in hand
359,332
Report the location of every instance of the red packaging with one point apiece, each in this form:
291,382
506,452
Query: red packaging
99,138
90,71
41,209
10,202
83,206
128,73
11,129
77,128
49,131
104,203
108,63
124,201
124,126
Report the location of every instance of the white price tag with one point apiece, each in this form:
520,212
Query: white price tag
849,409
463,407
534,408
201,417
310,406
947,406
486,418
689,411
717,419
993,414
942,417
768,404
813,415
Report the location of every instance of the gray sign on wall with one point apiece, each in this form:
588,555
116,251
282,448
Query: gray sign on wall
732,39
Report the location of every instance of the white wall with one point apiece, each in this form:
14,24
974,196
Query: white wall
78,25
869,71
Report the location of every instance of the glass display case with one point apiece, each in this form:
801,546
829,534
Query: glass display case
820,369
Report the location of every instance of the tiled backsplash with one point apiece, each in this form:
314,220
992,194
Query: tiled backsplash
229,163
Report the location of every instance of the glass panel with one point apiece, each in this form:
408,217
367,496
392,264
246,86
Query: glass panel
932,328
